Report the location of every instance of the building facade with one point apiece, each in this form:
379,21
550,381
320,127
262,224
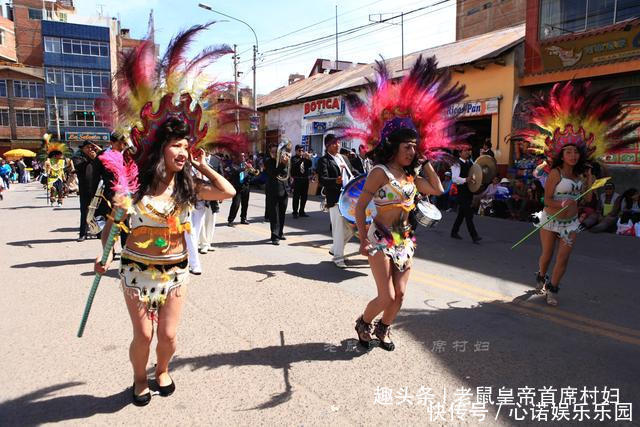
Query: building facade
475,17
596,41
77,67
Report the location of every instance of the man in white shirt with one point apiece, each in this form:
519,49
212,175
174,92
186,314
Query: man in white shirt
334,171
460,177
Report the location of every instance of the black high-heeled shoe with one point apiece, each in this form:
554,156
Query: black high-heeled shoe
382,332
140,399
167,390
364,331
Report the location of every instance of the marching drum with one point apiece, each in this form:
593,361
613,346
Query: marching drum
427,214
349,198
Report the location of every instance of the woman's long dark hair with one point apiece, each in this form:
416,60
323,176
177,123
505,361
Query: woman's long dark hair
627,198
579,168
387,149
154,170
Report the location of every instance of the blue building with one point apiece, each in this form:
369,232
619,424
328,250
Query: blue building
77,68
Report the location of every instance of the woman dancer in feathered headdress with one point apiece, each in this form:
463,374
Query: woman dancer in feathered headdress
57,167
573,124
165,127
402,124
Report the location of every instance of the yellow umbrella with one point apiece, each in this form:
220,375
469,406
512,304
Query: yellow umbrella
19,152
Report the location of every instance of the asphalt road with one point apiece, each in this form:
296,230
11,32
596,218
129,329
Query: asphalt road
267,332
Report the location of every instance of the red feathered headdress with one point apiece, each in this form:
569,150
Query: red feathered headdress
419,101
579,115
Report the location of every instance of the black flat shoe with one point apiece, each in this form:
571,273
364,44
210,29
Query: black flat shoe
456,236
282,237
275,242
142,399
304,215
167,390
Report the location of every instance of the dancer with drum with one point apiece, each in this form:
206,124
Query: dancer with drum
402,124
334,172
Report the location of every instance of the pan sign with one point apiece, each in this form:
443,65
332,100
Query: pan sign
474,108
323,107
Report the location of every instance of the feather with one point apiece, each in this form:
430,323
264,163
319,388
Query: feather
178,46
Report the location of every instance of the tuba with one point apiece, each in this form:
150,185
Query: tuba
283,155
95,224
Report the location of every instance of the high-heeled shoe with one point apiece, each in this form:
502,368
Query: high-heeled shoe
167,390
140,399
383,333
364,329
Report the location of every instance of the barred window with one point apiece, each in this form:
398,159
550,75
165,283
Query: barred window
73,112
35,13
3,88
4,117
85,47
27,89
54,76
30,118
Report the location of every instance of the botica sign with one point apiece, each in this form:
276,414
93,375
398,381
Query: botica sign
474,108
323,107
591,50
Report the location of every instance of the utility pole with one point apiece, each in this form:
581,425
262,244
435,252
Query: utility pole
235,83
336,37
379,20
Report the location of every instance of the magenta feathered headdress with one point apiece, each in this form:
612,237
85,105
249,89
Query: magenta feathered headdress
148,91
419,101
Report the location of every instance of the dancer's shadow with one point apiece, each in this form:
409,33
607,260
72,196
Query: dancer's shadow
30,409
277,357
64,230
55,263
113,273
312,243
241,243
13,208
325,271
29,243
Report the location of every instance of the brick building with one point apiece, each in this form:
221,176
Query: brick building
475,17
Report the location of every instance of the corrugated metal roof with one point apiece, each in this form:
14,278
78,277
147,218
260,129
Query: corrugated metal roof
484,46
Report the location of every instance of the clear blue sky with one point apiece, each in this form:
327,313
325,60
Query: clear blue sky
273,19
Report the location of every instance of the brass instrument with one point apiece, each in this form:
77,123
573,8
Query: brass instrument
250,170
95,225
283,155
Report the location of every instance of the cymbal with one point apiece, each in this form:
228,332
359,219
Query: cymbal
489,168
475,178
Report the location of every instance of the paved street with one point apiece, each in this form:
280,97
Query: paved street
267,332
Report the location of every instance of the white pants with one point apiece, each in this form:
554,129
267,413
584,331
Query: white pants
197,221
208,228
341,232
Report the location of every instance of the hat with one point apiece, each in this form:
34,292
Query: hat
85,143
447,173
505,181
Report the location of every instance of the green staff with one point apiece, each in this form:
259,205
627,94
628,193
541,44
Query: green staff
597,184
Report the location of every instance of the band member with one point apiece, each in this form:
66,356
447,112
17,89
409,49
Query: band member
84,166
300,172
460,177
239,174
205,240
166,131
402,124
334,172
573,124
276,189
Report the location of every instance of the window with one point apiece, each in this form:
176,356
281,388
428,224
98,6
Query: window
54,76
85,47
2,37
3,88
87,81
27,89
62,17
73,112
4,117
30,118
35,13
561,17
52,44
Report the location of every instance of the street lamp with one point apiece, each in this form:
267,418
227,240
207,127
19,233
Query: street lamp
255,48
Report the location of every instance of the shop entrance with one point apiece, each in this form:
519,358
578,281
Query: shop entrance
316,144
480,127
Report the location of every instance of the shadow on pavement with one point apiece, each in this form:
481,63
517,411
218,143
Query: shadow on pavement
277,357
54,263
30,409
65,230
325,270
493,345
13,208
39,242
240,243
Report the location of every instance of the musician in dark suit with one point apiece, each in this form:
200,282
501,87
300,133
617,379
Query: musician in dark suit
239,174
460,177
276,191
334,171
300,171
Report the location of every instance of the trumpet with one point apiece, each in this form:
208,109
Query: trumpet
283,155
95,224
250,170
